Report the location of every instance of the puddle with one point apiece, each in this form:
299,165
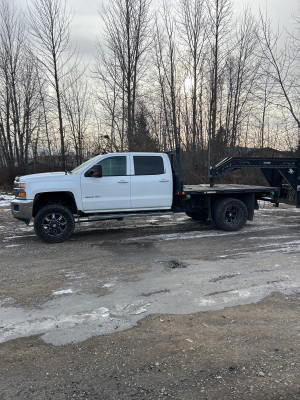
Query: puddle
69,317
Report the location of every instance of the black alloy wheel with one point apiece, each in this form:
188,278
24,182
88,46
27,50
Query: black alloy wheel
54,223
230,214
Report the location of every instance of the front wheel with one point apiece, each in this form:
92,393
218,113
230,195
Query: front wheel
230,214
54,223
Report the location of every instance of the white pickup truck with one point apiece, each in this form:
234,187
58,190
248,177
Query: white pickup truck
114,186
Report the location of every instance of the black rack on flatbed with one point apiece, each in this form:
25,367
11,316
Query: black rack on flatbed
275,170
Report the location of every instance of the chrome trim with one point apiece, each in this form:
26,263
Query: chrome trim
25,208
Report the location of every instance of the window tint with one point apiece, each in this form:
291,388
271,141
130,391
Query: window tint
148,165
113,166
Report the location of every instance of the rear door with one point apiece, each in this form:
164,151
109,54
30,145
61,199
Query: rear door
151,183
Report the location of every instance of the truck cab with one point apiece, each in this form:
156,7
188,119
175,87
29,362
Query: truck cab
126,181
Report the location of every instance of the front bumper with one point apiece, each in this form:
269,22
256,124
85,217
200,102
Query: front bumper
22,210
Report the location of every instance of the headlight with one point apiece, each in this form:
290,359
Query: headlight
20,190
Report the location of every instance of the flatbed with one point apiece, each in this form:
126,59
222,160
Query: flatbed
226,188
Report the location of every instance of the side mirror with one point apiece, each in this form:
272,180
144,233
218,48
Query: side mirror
94,172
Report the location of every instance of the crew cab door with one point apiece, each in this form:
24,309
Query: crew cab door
151,181
111,191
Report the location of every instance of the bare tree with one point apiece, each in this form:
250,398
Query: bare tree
167,63
158,60
193,24
111,95
127,39
77,103
19,100
282,64
219,21
263,108
50,28
244,71
11,44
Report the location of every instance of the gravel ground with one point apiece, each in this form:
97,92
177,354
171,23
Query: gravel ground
193,313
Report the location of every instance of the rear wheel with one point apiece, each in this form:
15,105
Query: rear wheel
54,223
230,214
198,216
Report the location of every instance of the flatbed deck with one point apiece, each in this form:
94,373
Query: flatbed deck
225,188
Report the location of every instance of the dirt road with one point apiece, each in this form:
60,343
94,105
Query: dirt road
152,308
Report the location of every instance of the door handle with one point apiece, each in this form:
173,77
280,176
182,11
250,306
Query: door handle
164,180
123,181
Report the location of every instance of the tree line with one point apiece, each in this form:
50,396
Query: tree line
189,73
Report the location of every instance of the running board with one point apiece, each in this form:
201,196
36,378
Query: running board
103,217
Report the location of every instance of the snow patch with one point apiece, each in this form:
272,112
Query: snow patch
206,302
75,275
241,293
194,235
8,300
5,199
108,285
141,310
12,237
61,292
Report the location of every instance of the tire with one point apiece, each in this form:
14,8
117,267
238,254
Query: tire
198,216
230,214
54,223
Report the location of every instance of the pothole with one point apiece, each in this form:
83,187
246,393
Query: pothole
174,264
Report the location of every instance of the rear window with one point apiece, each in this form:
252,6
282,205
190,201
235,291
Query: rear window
148,165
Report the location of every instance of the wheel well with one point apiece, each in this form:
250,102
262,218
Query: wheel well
64,198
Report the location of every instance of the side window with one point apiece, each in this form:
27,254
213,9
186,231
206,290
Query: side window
113,166
148,165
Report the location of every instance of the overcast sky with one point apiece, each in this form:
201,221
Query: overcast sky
86,22
85,26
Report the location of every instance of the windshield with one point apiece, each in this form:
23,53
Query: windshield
82,166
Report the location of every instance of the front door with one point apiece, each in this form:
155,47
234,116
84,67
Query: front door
111,192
